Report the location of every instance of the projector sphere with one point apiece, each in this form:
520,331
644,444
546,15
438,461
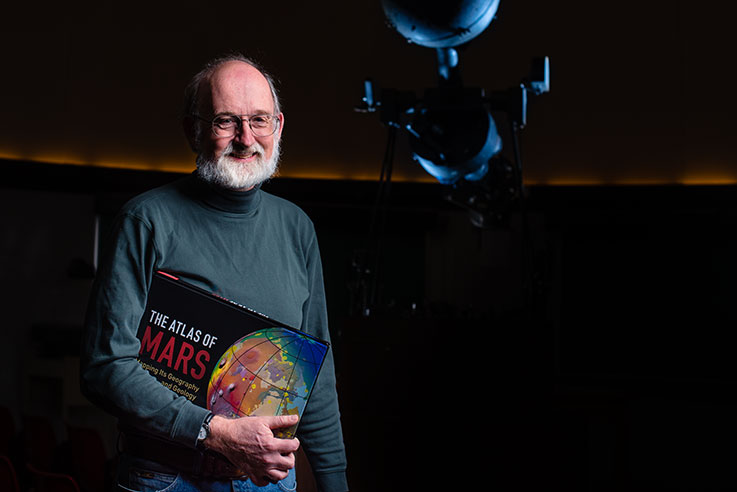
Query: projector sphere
440,24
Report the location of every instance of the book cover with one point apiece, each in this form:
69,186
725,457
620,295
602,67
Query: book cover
224,356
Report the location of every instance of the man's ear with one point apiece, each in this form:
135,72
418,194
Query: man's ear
281,125
190,132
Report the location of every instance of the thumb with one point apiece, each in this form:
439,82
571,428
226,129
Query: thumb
280,421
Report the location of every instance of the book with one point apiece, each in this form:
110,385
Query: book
224,356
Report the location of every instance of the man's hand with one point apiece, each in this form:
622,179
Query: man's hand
249,444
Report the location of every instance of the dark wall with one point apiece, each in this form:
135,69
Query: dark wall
640,91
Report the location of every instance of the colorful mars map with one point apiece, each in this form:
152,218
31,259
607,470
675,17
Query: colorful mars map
268,372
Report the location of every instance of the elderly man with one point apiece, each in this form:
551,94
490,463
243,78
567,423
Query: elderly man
216,229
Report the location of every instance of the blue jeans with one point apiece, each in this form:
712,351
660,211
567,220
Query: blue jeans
136,475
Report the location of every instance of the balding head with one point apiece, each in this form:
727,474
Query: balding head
234,155
202,79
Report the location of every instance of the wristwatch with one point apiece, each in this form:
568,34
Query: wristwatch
205,429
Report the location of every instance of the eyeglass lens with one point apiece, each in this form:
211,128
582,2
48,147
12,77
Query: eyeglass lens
260,125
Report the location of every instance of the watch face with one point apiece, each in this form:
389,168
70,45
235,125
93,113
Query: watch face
203,434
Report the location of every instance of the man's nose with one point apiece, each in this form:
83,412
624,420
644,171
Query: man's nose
244,135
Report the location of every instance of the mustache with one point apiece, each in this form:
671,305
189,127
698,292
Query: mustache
223,171
238,150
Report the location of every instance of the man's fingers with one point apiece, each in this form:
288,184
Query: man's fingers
285,447
270,476
260,481
279,421
250,444
274,475
286,462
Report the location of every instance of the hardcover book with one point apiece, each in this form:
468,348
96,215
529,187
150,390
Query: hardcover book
224,356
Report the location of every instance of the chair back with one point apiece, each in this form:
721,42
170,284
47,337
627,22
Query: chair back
88,458
43,481
8,476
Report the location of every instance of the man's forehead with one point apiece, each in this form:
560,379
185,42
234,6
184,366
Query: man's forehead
237,84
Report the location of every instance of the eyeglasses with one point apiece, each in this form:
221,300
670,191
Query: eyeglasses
227,125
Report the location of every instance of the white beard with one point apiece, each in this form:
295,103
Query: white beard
230,174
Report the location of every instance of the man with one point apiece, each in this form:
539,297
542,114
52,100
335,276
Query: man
218,230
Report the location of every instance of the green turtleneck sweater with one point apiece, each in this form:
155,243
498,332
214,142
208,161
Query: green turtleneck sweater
251,247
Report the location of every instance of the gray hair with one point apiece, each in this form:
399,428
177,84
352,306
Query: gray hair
192,91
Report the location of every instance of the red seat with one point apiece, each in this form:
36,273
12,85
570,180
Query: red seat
8,476
88,458
7,432
44,481
39,442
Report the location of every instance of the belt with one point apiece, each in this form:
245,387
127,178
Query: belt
192,462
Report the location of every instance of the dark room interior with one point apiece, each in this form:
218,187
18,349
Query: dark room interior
580,340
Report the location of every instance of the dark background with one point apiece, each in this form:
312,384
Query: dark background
586,345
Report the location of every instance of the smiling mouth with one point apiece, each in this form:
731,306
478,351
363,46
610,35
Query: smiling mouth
243,155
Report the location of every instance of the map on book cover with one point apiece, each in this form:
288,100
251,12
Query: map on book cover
224,356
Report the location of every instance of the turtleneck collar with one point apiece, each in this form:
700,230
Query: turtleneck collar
229,201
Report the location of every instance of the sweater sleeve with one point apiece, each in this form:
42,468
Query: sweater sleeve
110,374
320,429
